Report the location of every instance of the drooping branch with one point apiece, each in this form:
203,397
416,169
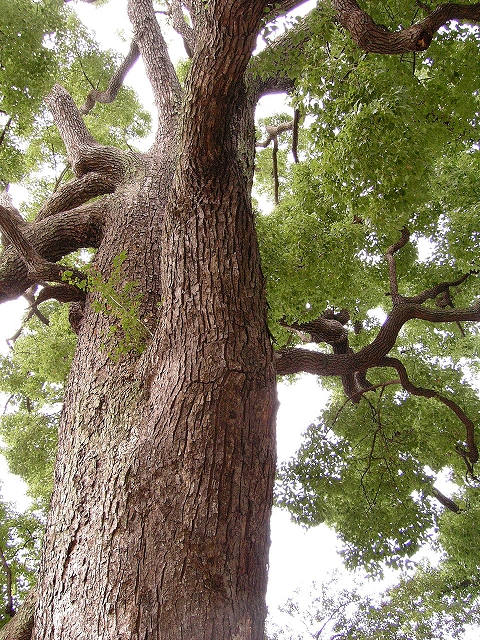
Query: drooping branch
472,452
115,83
376,38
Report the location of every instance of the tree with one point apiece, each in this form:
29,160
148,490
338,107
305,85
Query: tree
421,606
158,524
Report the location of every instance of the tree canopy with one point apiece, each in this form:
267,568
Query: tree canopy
369,252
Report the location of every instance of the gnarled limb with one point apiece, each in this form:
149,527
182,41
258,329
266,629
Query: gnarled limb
115,83
84,153
376,38
37,246
472,452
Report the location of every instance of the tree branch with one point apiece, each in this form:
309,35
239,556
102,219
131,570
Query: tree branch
375,38
84,153
20,626
181,27
37,246
115,83
77,192
158,65
9,608
472,452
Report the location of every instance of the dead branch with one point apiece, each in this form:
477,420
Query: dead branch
116,82
376,38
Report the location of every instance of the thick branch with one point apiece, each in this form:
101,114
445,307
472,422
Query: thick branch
41,243
289,361
115,84
273,131
378,39
158,66
84,153
20,626
181,26
292,41
445,501
77,192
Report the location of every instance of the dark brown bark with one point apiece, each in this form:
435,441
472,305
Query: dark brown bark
377,38
159,524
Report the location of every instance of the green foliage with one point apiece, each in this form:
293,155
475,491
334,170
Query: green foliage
54,47
20,539
119,300
33,375
424,605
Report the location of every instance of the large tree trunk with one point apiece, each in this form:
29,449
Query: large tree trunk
159,519
159,523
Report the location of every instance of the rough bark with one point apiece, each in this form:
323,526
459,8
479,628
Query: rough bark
159,523
21,625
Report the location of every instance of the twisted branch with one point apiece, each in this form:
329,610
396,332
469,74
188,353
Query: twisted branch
115,84
376,38
472,452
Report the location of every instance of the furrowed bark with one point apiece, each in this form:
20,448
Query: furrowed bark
21,625
178,442
50,239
